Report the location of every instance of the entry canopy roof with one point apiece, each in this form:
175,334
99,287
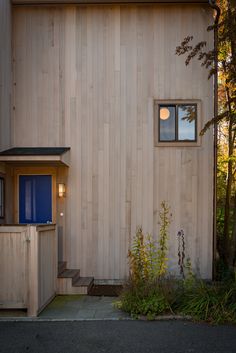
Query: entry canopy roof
59,155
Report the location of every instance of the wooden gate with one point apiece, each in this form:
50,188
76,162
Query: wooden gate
28,266
14,246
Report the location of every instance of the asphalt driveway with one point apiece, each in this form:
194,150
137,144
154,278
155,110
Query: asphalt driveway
116,337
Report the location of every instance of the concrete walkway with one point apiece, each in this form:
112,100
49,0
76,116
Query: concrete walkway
78,307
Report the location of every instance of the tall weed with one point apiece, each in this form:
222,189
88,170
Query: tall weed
151,291
148,258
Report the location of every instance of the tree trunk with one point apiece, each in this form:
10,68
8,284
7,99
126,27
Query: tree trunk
234,232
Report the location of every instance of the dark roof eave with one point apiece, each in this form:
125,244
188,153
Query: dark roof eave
35,151
35,155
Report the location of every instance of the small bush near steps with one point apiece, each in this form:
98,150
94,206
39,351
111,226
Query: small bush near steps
151,292
150,299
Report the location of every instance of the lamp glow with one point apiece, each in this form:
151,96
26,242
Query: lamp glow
61,190
164,113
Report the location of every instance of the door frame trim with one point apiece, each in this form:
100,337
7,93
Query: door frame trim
34,171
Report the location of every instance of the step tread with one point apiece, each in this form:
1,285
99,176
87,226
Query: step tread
83,282
68,273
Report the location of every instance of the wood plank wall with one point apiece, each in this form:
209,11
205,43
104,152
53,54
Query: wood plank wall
5,73
86,77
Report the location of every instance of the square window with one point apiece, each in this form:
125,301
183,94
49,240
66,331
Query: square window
177,122
2,191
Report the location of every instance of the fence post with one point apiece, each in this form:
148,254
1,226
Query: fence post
33,268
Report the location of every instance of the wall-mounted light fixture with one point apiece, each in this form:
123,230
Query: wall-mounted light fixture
164,113
61,190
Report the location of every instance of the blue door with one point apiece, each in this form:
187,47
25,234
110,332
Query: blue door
35,198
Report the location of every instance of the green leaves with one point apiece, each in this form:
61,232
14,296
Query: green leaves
148,258
162,250
151,292
214,303
144,299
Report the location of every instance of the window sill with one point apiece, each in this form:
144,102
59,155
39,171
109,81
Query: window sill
178,144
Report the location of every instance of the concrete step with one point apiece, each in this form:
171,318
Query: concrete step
61,267
84,284
70,282
74,275
106,290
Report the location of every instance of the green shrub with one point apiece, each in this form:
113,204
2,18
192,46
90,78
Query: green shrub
147,293
162,249
148,258
223,272
150,299
151,292
213,303
139,259
210,302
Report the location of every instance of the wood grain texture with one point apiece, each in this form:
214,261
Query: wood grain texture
13,262
65,286
86,77
47,250
28,260
5,73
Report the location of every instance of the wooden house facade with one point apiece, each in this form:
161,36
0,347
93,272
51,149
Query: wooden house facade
93,97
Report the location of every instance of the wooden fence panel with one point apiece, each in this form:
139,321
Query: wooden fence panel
13,263
47,258
28,262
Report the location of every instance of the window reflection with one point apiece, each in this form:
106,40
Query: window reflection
167,123
177,122
186,122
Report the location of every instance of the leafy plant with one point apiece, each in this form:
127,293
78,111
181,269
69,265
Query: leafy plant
138,258
150,299
190,277
209,302
184,263
221,62
162,244
150,291
181,252
148,258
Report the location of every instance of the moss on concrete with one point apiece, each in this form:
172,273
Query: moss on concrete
60,300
